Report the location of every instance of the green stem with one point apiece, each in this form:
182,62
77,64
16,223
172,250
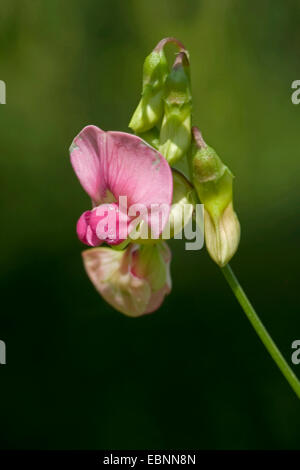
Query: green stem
260,329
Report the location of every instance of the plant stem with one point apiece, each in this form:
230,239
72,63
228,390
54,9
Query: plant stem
260,329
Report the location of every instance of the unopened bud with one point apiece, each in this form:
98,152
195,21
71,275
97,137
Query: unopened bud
150,108
213,182
175,134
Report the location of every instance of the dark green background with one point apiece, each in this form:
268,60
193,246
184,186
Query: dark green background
194,374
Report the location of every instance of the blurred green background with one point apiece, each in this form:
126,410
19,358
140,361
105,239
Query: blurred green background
194,374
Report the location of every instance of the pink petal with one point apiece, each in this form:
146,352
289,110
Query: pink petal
84,231
136,170
109,223
85,151
126,166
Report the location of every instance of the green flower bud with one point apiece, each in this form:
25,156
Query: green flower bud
175,134
213,183
149,111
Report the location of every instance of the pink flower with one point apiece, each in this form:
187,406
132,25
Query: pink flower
113,164
134,281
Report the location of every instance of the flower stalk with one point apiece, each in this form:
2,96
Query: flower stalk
260,329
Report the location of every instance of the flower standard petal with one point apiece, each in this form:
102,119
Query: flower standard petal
138,171
115,164
87,151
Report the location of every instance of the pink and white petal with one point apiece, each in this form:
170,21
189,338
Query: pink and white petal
138,171
157,298
148,263
87,151
109,271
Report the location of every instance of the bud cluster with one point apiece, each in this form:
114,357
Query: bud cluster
163,115
163,118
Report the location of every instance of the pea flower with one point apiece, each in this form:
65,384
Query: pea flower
135,280
112,165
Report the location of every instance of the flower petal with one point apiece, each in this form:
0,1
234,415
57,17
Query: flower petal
157,298
85,232
121,164
138,171
153,264
86,152
109,271
109,223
